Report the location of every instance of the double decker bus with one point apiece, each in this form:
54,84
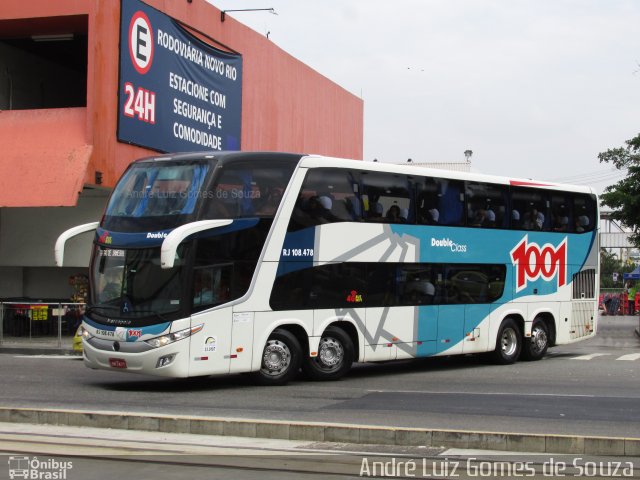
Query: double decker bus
272,263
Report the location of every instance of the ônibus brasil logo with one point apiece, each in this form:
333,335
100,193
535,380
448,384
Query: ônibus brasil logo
533,261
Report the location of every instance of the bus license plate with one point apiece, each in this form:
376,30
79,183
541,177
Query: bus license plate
118,363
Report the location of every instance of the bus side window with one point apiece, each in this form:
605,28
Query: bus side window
584,213
386,197
328,195
382,285
417,283
339,285
450,202
496,275
211,285
472,284
486,205
427,194
532,207
561,212
292,291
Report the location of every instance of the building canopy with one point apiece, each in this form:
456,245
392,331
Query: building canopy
48,157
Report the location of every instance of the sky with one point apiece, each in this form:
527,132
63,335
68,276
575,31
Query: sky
535,88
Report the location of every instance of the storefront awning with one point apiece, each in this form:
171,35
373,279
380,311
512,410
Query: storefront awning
44,157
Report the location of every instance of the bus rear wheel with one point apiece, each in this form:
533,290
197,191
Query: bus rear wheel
280,359
335,356
536,346
508,343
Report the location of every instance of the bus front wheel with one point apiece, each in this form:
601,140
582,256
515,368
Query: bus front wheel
508,343
334,358
280,359
536,346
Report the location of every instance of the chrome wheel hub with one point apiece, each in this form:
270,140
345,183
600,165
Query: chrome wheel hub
538,339
331,353
509,341
276,358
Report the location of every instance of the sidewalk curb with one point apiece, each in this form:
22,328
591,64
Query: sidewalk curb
320,432
38,350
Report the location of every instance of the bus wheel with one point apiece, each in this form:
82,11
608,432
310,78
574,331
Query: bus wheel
509,343
280,359
535,347
335,356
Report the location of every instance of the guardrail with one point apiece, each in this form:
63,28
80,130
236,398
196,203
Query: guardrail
39,322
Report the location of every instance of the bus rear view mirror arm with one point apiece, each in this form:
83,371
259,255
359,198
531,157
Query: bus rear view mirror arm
175,238
64,236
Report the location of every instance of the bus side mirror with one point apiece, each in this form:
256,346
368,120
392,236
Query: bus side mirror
175,238
64,236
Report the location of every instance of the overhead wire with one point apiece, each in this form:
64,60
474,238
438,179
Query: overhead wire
592,177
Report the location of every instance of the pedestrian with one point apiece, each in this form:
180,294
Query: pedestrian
631,297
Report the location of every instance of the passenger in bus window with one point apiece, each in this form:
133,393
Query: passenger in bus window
515,219
320,209
490,219
393,214
430,217
534,220
479,218
582,223
272,197
312,211
560,223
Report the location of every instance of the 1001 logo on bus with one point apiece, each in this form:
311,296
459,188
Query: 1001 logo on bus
533,262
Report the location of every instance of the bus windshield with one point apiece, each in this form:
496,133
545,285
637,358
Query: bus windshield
158,189
130,283
247,189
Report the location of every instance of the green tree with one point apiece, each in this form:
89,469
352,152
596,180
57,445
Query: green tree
610,264
624,196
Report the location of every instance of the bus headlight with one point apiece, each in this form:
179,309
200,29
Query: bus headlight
84,333
163,340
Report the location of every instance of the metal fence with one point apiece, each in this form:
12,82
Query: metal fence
39,322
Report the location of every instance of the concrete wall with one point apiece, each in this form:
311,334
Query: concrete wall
28,235
27,238
38,283
11,282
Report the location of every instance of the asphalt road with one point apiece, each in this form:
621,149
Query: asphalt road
589,388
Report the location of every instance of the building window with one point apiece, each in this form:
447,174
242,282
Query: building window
44,67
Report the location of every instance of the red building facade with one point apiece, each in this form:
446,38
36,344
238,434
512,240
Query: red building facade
286,106
59,103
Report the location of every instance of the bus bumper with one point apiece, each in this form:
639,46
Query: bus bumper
169,361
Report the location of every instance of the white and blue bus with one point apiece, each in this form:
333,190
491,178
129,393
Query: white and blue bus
217,263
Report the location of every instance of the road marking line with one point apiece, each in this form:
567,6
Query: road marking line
630,357
591,356
483,393
53,357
